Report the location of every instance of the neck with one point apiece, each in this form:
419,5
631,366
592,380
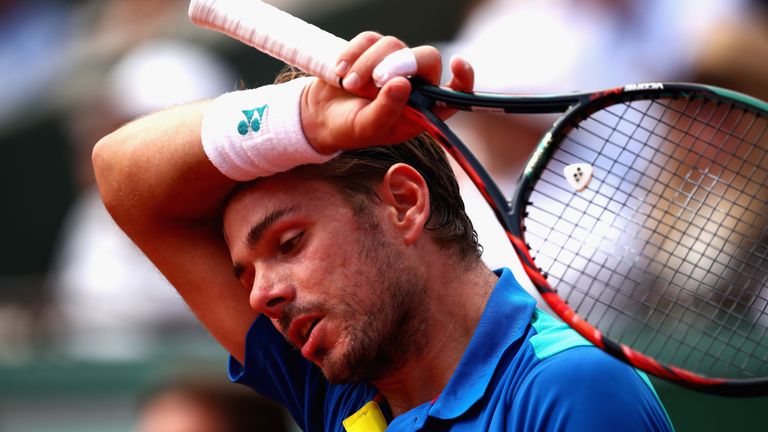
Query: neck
455,303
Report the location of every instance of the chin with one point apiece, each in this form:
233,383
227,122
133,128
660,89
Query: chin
337,370
352,369
344,368
342,378
338,375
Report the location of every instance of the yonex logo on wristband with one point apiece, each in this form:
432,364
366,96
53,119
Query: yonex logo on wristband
251,122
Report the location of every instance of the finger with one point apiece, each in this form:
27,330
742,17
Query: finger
423,61
429,63
359,78
462,79
383,113
463,76
356,47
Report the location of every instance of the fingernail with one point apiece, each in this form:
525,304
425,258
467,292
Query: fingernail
342,68
351,81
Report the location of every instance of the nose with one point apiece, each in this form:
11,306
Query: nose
270,294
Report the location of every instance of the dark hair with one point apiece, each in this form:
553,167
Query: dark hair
356,172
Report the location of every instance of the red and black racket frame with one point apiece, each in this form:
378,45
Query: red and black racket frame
573,107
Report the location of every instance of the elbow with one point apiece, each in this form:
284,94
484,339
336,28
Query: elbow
104,159
99,159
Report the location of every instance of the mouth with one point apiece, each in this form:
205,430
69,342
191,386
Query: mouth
309,330
301,329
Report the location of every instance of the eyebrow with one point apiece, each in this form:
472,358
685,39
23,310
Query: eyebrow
257,230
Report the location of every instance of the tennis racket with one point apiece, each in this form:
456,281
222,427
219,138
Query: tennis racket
641,216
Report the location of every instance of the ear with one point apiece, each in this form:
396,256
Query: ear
405,193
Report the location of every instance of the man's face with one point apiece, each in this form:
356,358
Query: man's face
338,285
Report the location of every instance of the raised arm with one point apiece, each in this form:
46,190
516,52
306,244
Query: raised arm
165,193
162,190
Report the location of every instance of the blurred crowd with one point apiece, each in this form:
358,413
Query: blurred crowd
545,47
74,70
94,66
203,403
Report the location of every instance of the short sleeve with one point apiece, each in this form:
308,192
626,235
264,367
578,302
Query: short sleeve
585,389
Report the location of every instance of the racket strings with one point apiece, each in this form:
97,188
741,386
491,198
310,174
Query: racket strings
676,325
709,121
666,250
631,134
611,169
690,196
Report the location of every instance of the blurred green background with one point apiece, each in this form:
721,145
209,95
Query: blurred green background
57,62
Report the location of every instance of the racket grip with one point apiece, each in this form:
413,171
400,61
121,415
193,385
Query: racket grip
273,32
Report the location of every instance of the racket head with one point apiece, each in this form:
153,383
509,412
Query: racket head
648,259
286,37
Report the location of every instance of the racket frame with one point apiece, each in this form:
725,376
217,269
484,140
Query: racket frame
511,213
250,22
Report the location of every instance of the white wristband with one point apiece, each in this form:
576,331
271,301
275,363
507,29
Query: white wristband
256,133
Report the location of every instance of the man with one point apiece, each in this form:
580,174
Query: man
363,262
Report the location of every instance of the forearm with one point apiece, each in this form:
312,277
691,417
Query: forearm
153,171
160,187
158,181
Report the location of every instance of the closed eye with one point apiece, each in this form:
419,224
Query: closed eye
289,241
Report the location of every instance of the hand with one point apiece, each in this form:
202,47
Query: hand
362,115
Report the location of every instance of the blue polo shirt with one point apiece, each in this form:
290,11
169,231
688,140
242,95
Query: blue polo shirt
523,370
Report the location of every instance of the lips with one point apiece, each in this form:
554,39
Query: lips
301,329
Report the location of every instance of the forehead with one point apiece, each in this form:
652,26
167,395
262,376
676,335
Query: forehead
280,192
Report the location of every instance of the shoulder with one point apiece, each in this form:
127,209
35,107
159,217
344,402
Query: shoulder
583,388
589,368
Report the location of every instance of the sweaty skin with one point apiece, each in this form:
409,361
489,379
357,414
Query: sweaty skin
346,310
162,190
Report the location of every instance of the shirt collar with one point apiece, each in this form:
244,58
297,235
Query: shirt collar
507,314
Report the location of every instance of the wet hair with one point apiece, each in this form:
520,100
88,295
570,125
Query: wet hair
355,173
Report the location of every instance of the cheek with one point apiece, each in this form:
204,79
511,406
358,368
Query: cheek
316,271
333,250
336,270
